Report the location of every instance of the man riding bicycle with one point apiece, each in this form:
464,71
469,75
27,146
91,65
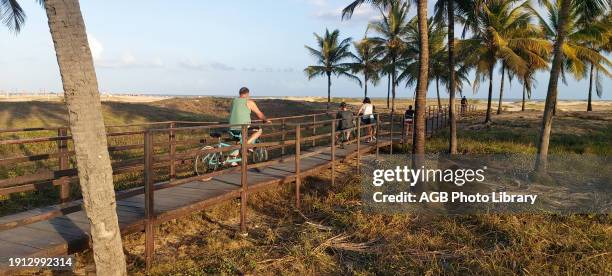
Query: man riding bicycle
240,114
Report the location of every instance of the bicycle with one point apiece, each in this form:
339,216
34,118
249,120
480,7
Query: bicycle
213,161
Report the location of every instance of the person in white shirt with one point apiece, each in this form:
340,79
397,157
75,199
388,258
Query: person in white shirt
366,113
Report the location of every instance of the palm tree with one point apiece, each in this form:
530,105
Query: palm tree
446,9
528,80
347,12
382,5
563,19
449,5
603,45
418,146
500,32
367,62
86,125
595,72
584,40
330,56
437,49
391,29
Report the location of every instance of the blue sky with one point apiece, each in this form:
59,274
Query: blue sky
206,48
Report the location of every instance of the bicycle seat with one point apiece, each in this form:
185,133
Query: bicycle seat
215,135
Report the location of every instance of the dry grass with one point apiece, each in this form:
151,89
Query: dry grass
334,234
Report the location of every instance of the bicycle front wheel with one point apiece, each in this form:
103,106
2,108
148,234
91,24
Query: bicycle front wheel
260,155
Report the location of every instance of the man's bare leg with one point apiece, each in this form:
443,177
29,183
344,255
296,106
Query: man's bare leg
254,136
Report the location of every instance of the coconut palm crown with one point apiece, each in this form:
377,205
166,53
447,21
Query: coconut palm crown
331,55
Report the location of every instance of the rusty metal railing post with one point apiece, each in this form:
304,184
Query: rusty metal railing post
243,180
172,140
149,199
62,146
298,169
283,135
376,131
358,145
438,114
314,129
333,151
403,122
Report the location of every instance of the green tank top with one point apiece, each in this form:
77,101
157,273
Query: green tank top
240,113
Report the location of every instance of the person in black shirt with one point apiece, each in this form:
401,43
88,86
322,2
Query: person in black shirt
409,113
464,104
345,121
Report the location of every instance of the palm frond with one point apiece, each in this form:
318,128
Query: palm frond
12,15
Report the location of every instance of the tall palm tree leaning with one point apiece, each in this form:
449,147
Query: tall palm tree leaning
437,55
86,125
585,8
439,8
450,17
367,62
420,103
418,147
391,30
586,37
330,55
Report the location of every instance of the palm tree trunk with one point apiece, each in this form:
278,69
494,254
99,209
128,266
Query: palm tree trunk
488,116
393,85
451,66
328,89
438,93
501,89
388,89
524,91
418,148
88,132
551,95
589,105
365,78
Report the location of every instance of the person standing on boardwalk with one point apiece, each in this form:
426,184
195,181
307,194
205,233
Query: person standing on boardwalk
366,113
409,120
345,123
464,104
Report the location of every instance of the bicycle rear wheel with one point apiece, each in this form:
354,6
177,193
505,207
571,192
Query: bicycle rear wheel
207,162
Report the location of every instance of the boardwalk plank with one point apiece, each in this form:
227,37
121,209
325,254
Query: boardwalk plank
68,232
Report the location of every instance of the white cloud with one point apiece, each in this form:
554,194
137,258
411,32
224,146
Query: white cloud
192,64
318,3
269,69
128,60
363,13
95,46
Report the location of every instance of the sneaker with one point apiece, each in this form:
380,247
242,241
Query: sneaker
234,164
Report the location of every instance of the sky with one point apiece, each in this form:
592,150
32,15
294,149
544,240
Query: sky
191,47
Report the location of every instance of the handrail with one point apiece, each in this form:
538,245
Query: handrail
151,160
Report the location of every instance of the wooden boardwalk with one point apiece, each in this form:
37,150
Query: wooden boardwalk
64,228
70,233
